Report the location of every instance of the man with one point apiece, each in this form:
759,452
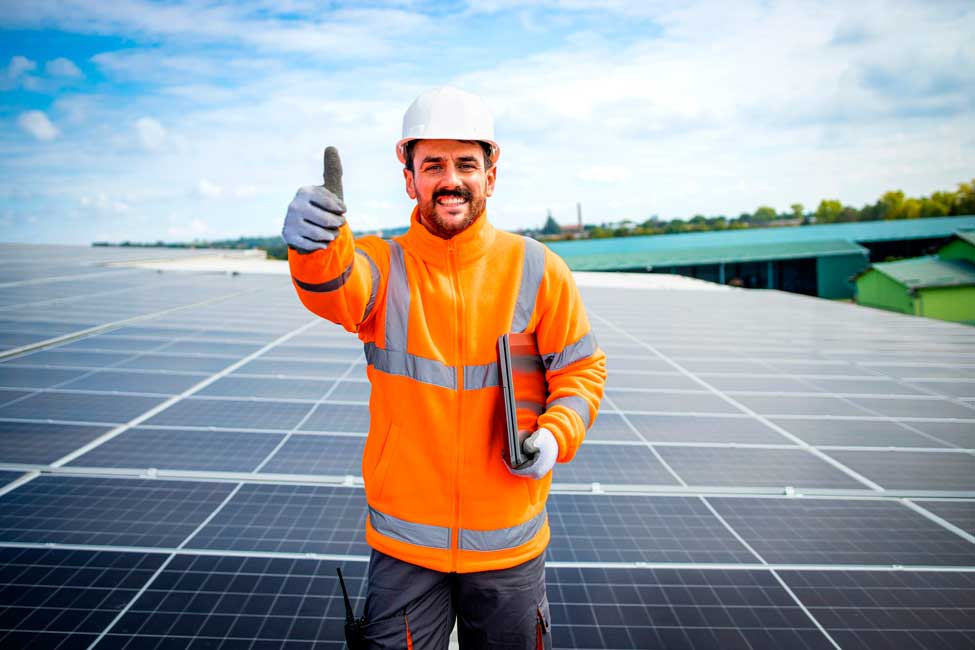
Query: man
455,532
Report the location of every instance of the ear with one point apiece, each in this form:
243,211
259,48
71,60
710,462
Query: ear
491,176
408,177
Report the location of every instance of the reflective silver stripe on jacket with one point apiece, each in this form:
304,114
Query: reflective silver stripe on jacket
407,531
397,301
438,537
581,349
481,376
532,270
577,404
325,287
501,539
374,274
397,362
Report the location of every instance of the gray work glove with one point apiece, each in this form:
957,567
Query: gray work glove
545,448
315,215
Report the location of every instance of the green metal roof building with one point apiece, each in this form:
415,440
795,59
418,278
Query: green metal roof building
937,286
820,260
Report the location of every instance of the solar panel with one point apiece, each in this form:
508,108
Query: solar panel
911,469
108,512
80,407
162,383
234,414
721,466
860,433
693,429
318,454
828,531
43,442
290,519
54,598
633,464
890,609
644,559
960,513
216,451
226,602
668,608
631,528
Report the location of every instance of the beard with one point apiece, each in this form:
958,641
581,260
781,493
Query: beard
439,225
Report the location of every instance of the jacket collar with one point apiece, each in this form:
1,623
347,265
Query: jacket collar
466,246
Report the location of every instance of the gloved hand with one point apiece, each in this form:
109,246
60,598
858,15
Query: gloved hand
315,215
545,449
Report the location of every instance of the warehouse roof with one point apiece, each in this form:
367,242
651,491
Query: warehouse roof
866,231
713,255
929,271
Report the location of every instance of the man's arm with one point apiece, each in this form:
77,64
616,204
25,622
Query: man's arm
334,277
575,365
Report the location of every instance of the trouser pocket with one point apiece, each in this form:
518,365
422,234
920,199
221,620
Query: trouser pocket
543,638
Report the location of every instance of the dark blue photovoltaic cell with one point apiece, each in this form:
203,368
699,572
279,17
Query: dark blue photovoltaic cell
41,443
624,528
233,414
738,467
343,418
217,451
52,598
863,610
668,608
237,602
959,513
99,511
911,469
164,383
7,477
318,454
81,407
24,377
633,464
268,387
830,531
289,518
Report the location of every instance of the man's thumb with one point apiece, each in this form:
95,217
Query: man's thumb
333,172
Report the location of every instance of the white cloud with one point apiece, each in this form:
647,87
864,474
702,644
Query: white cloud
19,65
207,189
37,124
64,68
151,133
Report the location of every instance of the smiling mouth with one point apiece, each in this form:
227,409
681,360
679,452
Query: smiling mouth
451,201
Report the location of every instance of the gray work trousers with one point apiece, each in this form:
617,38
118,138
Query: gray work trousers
410,607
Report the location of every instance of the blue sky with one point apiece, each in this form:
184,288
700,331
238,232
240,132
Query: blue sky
147,120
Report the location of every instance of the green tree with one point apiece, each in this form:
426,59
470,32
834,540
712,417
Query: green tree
797,211
828,211
891,205
764,214
965,198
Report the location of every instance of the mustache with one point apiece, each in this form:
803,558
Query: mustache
458,192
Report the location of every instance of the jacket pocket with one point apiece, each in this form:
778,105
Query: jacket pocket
386,458
535,488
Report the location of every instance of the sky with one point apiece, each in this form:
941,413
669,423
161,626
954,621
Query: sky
143,121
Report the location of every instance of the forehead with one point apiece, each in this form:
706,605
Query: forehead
445,149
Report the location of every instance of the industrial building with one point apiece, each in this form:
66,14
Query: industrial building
937,286
819,260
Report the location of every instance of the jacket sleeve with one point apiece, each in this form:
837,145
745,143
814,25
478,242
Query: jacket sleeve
341,283
575,365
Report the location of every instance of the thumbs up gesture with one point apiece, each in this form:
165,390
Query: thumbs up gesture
316,213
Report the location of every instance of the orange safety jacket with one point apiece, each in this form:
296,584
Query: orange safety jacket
429,312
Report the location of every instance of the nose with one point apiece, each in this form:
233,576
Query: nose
451,178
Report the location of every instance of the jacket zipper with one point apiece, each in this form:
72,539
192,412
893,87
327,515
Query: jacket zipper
458,443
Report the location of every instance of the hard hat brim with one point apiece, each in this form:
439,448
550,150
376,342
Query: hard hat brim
401,147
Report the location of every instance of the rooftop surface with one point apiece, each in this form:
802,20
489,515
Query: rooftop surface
929,271
180,453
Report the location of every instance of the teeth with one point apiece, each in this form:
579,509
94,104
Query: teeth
451,201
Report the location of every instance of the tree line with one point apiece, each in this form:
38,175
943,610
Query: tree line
891,205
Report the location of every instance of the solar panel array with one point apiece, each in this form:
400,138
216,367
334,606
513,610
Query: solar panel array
179,468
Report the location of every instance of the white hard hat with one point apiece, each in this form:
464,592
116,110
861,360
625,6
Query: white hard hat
446,113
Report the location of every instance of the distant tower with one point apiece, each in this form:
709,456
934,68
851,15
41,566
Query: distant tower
579,215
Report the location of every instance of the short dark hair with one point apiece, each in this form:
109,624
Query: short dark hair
409,147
